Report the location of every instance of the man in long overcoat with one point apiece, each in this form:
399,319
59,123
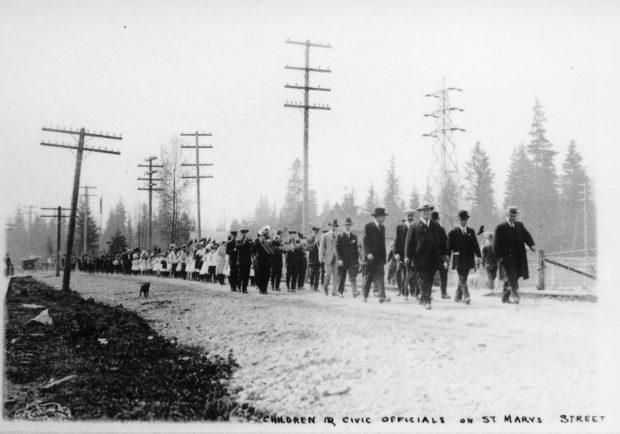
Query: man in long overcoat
347,253
399,254
511,237
423,251
463,245
327,256
376,255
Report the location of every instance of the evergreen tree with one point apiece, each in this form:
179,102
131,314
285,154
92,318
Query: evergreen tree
480,187
542,211
428,198
414,199
85,217
392,201
572,182
118,244
516,186
130,240
449,203
117,221
371,200
349,207
17,243
290,215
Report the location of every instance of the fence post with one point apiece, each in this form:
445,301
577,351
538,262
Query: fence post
541,270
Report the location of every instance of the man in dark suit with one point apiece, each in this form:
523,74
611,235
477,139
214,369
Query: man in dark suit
399,254
374,249
463,245
244,260
347,254
314,265
231,251
510,240
443,271
423,251
276,267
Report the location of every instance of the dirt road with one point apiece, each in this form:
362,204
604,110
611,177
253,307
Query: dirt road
307,354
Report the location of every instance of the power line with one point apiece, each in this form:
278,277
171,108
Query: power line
80,148
151,186
197,164
306,106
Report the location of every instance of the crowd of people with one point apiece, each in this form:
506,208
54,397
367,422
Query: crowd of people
328,258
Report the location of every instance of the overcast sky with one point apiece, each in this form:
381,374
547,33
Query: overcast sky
150,70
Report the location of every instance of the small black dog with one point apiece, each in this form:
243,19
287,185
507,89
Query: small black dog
144,289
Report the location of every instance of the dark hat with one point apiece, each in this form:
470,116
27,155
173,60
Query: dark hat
315,229
335,223
463,215
233,232
434,215
426,208
279,233
325,231
292,232
301,236
244,231
512,210
348,221
379,212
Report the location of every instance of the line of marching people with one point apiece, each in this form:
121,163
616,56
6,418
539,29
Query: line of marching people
421,248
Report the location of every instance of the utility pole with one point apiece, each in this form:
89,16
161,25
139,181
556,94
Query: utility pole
151,186
197,177
85,195
445,165
81,135
306,106
29,212
59,216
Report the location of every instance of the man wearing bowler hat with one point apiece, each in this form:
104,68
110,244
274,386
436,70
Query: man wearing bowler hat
347,252
463,245
424,252
399,253
509,246
327,256
374,249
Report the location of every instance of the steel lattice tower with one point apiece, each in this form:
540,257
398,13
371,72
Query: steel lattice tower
444,169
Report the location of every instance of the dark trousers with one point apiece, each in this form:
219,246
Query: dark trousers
244,276
322,273
443,280
288,276
401,278
302,276
511,281
315,271
374,274
491,276
426,276
462,291
262,276
276,277
351,270
294,276
233,277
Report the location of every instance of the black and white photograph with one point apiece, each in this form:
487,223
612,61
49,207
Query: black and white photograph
327,216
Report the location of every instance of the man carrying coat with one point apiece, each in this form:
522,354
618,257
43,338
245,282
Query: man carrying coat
463,245
509,246
347,252
424,252
374,249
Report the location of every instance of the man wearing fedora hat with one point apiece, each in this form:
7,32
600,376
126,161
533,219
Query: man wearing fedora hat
328,257
399,253
347,252
423,251
374,249
463,245
509,246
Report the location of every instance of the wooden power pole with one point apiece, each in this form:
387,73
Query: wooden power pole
151,187
306,106
197,164
80,148
59,216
